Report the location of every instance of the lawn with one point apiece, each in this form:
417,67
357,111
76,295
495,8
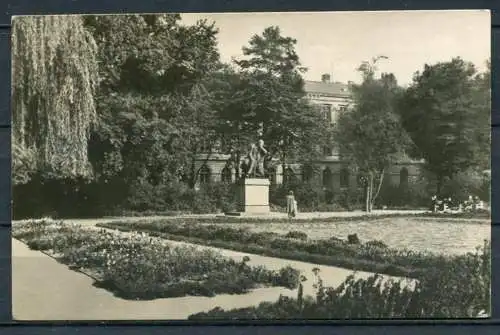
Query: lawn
438,235
370,256
137,266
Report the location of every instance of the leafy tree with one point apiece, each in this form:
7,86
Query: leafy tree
237,126
446,111
154,104
54,80
272,96
370,136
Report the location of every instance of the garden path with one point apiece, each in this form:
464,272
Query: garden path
44,289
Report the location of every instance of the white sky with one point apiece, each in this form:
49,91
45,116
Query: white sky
337,42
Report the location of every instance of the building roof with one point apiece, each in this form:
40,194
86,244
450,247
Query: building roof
327,88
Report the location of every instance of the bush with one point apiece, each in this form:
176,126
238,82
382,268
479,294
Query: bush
459,290
297,234
311,197
416,195
467,183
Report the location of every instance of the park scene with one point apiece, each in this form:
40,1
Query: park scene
257,166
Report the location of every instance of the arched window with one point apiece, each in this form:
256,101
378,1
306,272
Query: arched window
327,151
272,175
289,174
327,178
361,180
205,175
403,178
307,173
344,178
226,175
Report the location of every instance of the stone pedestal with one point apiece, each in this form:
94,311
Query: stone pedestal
253,197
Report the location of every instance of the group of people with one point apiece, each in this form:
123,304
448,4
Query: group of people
447,204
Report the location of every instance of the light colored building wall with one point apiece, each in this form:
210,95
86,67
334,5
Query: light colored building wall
332,99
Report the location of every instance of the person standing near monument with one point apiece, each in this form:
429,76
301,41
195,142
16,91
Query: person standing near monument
291,205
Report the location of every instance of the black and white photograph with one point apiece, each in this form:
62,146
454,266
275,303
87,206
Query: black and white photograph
251,166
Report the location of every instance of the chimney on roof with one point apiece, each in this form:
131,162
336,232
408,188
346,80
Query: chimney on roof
325,78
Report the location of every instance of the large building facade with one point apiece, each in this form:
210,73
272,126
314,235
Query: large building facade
332,98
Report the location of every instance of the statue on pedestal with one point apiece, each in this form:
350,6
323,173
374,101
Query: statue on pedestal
254,162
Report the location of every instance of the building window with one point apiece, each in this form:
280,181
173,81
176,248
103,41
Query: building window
289,175
344,178
403,178
307,173
272,175
205,175
361,180
205,147
326,111
327,151
327,178
226,175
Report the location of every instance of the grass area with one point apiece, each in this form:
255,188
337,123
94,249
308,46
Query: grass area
140,267
372,256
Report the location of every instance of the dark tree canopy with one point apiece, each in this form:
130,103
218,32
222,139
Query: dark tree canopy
272,96
446,112
154,102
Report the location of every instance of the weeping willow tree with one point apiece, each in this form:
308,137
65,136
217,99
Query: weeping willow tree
54,76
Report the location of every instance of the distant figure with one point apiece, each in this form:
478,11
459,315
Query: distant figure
291,205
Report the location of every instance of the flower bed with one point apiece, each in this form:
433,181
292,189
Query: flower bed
460,290
140,267
372,256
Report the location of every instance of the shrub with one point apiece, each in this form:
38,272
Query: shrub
297,234
311,197
416,195
459,290
353,239
376,244
467,183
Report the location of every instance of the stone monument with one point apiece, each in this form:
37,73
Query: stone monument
253,188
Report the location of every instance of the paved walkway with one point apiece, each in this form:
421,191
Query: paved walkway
44,289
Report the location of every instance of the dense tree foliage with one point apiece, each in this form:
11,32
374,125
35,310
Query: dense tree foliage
447,113
54,77
121,112
155,102
273,96
370,136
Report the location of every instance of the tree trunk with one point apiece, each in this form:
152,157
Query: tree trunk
284,175
381,180
439,185
369,193
192,174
